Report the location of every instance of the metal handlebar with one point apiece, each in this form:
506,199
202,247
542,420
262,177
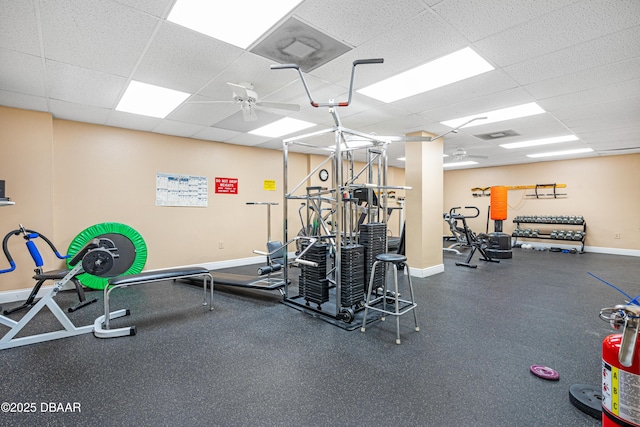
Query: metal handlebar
329,104
453,213
28,235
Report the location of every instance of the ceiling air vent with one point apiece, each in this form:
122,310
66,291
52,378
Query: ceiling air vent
295,42
497,135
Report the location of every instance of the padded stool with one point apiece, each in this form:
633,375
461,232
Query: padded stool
397,261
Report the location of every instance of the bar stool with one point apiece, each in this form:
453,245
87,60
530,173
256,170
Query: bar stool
397,261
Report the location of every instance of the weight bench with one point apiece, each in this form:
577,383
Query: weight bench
101,324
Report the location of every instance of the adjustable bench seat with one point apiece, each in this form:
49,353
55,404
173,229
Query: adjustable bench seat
101,324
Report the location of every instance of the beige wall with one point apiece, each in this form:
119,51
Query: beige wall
602,189
66,176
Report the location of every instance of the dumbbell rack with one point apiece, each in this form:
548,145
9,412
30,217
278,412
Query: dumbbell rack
559,224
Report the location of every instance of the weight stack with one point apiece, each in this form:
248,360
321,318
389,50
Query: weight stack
313,283
373,236
352,275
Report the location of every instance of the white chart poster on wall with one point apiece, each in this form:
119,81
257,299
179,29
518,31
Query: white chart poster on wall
181,190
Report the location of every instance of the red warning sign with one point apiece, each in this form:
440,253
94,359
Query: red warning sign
226,185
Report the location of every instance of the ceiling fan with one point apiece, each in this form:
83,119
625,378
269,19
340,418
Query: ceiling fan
460,153
244,95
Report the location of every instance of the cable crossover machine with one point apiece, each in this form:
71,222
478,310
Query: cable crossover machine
347,220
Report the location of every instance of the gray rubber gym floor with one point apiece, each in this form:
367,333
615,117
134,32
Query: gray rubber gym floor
254,361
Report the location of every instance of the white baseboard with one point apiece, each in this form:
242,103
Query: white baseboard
612,251
426,272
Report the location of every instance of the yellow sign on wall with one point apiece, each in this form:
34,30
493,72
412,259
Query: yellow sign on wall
269,185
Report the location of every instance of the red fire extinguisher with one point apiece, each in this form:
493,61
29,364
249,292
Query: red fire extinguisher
621,367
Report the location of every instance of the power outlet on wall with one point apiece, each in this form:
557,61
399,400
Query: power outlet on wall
220,244
616,236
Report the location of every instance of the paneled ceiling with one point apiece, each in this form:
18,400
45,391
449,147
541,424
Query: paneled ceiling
578,60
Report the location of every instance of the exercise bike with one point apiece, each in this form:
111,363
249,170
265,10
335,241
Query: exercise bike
477,242
41,276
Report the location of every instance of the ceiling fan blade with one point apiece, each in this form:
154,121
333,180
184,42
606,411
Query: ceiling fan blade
249,113
278,106
471,156
239,90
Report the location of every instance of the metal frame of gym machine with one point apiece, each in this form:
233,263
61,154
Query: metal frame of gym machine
342,166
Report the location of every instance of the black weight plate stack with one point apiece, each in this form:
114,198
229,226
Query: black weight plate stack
373,236
351,275
314,286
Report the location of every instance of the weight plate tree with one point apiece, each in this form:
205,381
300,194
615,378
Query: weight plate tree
132,251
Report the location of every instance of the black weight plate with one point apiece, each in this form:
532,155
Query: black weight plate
126,253
587,398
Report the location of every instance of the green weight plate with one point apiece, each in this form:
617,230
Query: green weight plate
133,263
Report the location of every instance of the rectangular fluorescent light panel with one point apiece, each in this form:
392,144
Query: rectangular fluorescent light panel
523,110
561,153
282,127
449,69
150,100
239,23
465,163
536,142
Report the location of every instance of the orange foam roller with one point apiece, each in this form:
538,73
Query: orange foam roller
499,203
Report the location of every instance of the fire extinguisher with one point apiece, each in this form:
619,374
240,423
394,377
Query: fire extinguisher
621,367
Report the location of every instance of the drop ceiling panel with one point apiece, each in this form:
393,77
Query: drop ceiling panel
78,112
159,8
248,139
507,98
132,121
170,61
491,82
357,22
574,24
415,42
477,19
601,116
82,85
294,92
20,72
20,100
203,114
612,48
95,34
215,134
237,123
613,138
172,127
248,68
19,29
622,90
582,80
